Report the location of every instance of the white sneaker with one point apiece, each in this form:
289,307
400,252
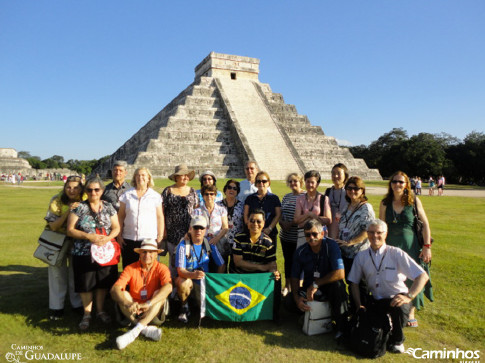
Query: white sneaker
398,348
152,332
126,339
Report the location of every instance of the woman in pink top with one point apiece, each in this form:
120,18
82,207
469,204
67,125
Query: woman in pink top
312,205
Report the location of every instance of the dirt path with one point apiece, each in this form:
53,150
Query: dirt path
474,193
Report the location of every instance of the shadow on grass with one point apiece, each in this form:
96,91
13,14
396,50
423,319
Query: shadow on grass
24,291
286,334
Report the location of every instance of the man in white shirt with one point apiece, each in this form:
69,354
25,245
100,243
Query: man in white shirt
248,186
385,269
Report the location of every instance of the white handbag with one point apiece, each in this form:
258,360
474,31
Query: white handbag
52,248
318,320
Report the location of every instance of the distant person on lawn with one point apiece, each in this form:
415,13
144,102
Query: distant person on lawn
150,284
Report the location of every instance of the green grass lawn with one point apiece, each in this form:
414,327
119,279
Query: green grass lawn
454,320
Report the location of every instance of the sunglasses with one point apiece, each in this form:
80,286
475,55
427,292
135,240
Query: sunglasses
231,188
198,228
73,178
257,221
355,189
311,234
209,194
250,168
90,190
261,181
398,182
293,181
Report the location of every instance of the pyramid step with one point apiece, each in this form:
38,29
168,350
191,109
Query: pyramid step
204,102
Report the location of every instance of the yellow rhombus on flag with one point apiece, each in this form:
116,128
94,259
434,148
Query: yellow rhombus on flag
237,292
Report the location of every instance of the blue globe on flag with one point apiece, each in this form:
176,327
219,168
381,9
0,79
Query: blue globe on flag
240,297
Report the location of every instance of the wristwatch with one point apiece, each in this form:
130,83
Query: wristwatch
409,295
315,286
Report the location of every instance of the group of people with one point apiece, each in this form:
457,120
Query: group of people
417,185
327,239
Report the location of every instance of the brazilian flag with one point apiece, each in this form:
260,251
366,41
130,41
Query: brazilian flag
237,297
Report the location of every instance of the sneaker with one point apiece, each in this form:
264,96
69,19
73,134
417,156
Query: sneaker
126,339
184,314
56,314
397,348
152,332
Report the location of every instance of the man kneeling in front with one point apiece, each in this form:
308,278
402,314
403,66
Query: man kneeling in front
385,269
192,262
150,284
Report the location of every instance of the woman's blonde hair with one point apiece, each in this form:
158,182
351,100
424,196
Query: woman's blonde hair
297,176
151,184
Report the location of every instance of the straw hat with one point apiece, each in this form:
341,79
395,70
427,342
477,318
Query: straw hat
182,169
148,244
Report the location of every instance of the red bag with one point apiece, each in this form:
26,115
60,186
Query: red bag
106,255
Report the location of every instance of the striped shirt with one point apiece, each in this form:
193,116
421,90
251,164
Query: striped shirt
262,252
288,206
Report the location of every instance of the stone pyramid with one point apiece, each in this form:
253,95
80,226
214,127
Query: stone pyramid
226,117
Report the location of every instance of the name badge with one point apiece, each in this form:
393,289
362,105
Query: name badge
144,294
316,274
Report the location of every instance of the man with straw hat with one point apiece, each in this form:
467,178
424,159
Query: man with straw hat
149,287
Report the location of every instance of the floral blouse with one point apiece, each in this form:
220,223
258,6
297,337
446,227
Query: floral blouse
88,222
351,224
178,213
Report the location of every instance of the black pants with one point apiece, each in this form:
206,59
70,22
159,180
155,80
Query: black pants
289,249
399,317
128,253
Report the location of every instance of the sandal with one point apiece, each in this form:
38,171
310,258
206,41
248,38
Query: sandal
104,317
84,324
412,323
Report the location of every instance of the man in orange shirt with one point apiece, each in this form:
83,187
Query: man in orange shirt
150,285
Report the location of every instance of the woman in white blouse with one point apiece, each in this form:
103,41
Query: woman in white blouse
140,215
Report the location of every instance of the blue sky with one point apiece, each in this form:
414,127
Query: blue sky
79,78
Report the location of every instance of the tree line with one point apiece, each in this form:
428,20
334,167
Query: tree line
425,155
57,162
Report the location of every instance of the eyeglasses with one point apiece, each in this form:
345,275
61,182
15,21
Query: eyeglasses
198,228
257,221
231,188
90,190
398,182
311,234
355,189
209,194
261,181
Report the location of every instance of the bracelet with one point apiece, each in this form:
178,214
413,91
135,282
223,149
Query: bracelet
427,246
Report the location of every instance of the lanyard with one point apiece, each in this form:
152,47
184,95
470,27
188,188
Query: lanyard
333,200
355,210
199,259
378,269
144,278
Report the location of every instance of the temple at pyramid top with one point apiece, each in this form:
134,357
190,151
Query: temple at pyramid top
228,66
225,117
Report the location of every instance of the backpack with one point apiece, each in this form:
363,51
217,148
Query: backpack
368,333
